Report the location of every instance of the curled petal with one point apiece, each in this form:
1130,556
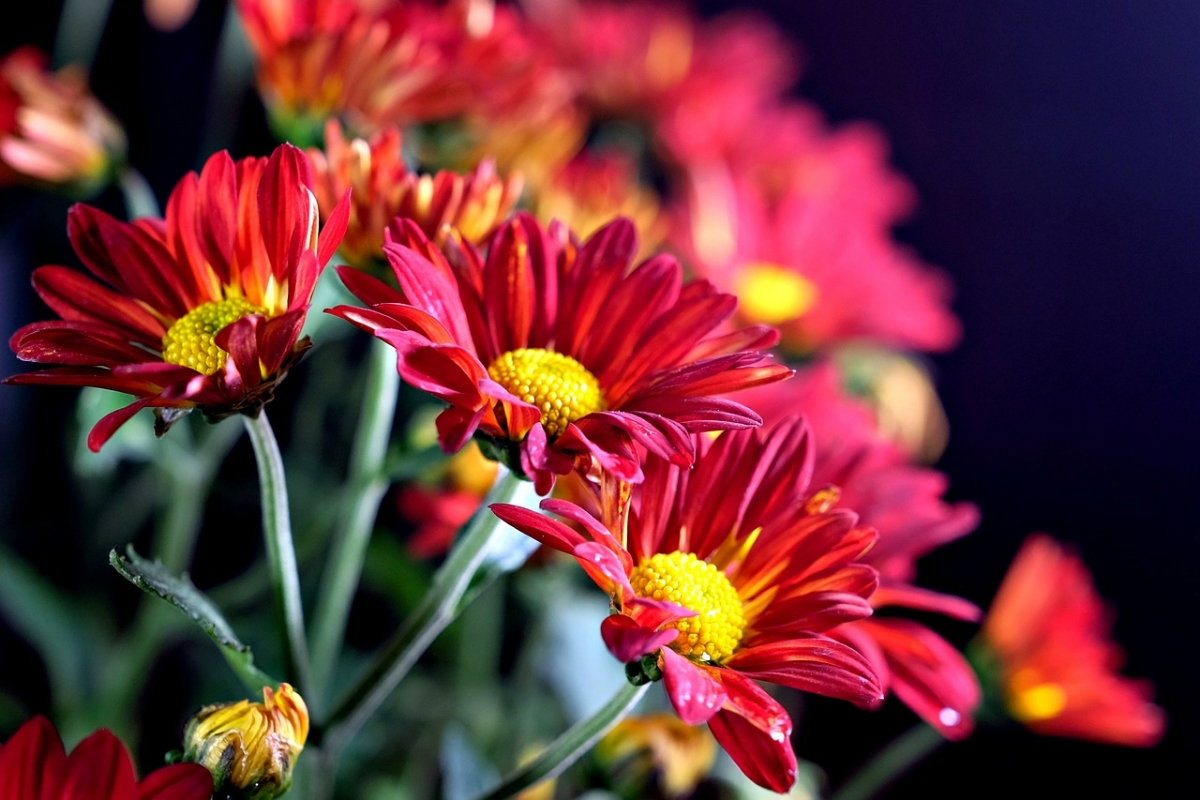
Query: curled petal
628,641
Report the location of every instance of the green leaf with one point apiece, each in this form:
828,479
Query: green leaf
153,578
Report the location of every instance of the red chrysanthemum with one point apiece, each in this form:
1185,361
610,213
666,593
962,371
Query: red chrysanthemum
903,503
34,766
556,351
719,577
201,309
1047,637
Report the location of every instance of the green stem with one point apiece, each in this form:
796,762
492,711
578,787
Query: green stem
890,763
437,610
281,553
81,24
366,486
568,748
139,197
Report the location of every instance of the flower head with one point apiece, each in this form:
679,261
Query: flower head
556,352
53,131
34,766
382,188
799,228
202,309
250,747
718,578
856,467
1045,642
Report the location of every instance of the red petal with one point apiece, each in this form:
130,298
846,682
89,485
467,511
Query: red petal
99,767
549,532
818,665
604,567
764,757
217,215
74,296
31,763
432,290
333,230
177,782
694,692
629,641
284,208
103,430
368,288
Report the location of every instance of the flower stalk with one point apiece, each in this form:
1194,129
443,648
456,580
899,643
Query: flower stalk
366,485
281,552
568,748
438,609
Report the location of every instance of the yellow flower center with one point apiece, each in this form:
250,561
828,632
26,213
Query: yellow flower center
189,342
1032,700
681,578
558,385
773,294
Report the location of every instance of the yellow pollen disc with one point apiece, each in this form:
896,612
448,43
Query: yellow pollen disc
1031,700
558,385
773,294
714,633
189,342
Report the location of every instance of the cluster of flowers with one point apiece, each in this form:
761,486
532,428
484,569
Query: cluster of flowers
565,341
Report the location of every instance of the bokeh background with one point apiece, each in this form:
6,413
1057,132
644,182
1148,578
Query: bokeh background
1055,148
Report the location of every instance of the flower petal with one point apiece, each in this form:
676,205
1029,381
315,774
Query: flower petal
818,665
177,782
98,767
31,762
628,641
694,692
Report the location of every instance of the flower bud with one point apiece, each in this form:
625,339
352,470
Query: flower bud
250,748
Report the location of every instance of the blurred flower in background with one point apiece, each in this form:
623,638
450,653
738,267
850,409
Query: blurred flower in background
1047,660
659,752
53,132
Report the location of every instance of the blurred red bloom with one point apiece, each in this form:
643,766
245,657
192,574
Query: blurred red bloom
556,351
391,63
718,578
34,766
201,309
382,188
796,222
856,468
53,131
1047,635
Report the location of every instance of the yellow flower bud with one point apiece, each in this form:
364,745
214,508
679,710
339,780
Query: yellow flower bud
250,748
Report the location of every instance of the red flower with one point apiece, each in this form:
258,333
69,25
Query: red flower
718,577
797,226
34,766
1047,633
556,352
383,188
229,272
903,502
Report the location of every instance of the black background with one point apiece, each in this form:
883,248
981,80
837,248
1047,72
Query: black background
1056,150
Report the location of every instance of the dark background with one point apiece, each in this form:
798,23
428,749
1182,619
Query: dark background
1056,151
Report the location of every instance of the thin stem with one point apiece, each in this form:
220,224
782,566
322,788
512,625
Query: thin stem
139,197
890,763
365,489
568,748
281,553
437,610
